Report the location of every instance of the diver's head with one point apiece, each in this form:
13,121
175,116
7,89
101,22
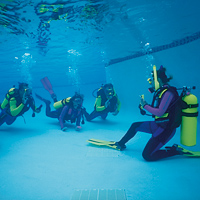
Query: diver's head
159,78
77,100
162,77
109,90
24,88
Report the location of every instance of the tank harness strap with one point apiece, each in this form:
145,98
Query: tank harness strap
192,105
63,102
190,114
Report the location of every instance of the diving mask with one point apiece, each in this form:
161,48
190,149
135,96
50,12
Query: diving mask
151,89
109,92
28,92
77,102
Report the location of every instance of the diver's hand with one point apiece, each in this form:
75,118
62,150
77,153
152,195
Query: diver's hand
107,103
64,128
78,128
115,113
143,102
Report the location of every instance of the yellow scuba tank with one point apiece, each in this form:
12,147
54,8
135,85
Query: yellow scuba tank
58,104
189,120
61,103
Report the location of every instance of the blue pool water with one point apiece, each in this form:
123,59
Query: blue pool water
80,45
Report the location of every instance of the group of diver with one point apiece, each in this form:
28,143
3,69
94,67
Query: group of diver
165,109
19,100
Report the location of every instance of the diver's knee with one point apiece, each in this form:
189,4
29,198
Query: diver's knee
147,156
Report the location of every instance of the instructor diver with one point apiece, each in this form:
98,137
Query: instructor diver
164,126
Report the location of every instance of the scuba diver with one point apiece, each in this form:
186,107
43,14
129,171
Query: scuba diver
68,109
16,103
163,128
106,101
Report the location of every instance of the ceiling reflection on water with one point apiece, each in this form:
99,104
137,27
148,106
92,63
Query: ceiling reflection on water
79,37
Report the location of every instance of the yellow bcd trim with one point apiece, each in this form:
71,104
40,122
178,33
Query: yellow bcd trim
163,116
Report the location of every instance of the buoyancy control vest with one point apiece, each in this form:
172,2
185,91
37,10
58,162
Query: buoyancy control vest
113,101
101,94
13,92
169,115
183,111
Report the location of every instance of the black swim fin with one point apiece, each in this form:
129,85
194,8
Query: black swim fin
42,99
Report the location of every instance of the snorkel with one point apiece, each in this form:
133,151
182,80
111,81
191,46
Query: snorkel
156,83
155,80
